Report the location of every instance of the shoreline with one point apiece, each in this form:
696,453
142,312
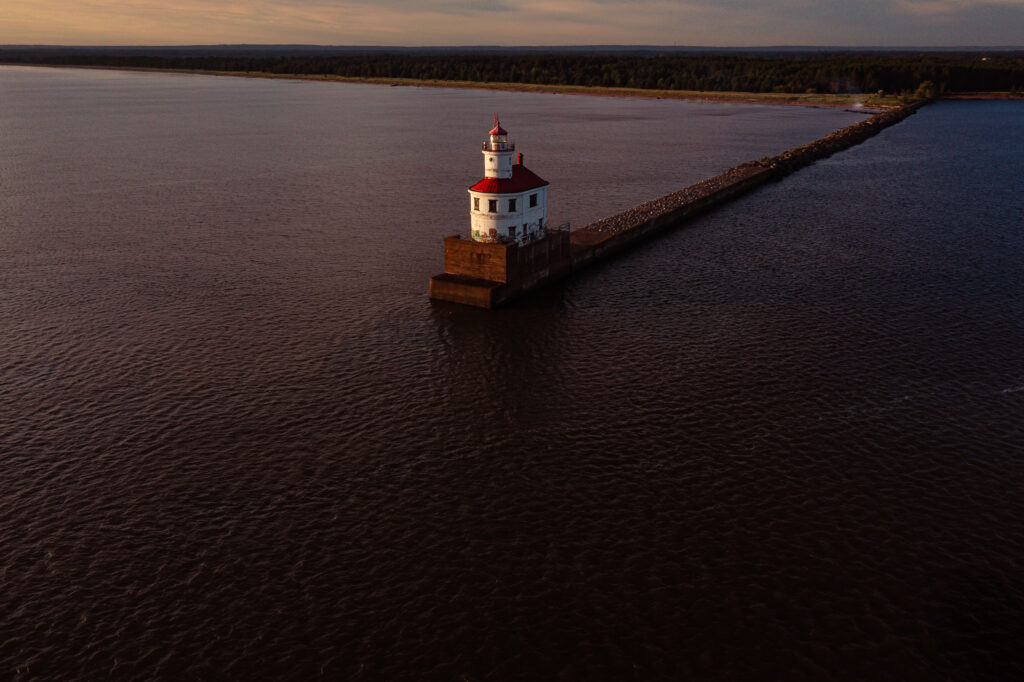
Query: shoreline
983,96
814,100
855,103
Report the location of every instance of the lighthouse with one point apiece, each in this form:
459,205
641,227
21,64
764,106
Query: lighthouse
510,203
512,249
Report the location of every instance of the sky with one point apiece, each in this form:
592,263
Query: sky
734,23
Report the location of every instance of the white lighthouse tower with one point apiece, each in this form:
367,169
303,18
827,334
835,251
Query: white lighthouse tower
510,203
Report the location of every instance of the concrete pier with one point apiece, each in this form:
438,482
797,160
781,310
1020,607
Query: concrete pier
487,275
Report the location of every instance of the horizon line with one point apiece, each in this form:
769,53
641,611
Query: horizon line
530,47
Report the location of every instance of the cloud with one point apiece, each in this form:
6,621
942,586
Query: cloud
949,7
528,22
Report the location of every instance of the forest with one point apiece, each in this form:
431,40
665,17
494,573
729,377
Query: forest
798,72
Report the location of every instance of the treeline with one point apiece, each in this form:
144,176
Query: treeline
793,72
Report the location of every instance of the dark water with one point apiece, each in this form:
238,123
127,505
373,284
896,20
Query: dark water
238,442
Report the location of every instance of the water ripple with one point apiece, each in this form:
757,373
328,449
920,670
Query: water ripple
238,442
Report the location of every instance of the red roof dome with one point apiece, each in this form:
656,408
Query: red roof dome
522,180
498,130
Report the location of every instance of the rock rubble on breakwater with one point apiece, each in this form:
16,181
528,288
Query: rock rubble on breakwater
638,215
794,159
779,166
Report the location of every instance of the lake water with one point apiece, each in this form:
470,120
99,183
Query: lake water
237,441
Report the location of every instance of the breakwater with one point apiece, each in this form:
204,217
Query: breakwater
488,275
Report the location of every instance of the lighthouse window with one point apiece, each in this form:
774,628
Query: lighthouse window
533,200
476,203
511,205
492,205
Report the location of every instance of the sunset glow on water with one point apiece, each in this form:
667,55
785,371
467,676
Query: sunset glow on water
239,442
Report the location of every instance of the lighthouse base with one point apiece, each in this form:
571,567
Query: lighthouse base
487,275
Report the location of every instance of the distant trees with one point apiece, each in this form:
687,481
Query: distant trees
770,72
926,90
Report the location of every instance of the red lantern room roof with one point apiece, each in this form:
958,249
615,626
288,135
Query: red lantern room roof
498,130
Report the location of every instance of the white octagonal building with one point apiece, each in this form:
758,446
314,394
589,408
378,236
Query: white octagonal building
510,203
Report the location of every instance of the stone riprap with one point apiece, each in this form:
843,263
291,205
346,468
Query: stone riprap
794,159
780,165
638,215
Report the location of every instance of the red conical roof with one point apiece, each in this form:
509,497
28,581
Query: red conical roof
498,130
523,179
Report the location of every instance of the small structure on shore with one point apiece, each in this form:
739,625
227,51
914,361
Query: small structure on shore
510,203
